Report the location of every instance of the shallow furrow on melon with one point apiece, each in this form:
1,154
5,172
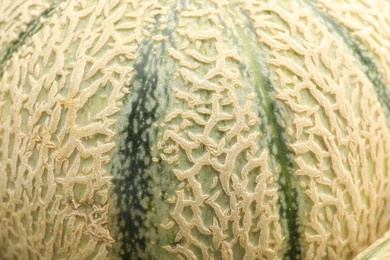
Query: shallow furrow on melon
141,186
275,118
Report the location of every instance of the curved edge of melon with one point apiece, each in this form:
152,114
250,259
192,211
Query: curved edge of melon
380,249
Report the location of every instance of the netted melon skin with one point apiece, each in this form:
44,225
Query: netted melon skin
193,129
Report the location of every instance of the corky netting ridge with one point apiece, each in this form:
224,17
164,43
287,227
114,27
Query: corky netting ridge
58,96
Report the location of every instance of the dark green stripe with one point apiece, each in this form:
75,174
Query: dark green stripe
289,209
364,56
133,181
32,28
288,199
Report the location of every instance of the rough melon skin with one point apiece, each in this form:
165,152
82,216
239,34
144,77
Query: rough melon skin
193,129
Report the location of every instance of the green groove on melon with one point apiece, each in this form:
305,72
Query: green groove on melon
32,27
141,186
265,90
133,175
132,178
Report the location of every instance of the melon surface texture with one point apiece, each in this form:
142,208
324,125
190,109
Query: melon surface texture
194,129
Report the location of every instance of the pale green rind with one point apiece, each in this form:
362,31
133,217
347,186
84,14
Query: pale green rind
380,250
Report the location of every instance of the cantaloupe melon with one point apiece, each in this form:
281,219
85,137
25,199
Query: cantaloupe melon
193,129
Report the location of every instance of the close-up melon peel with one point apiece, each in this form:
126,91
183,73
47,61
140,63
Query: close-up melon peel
194,129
